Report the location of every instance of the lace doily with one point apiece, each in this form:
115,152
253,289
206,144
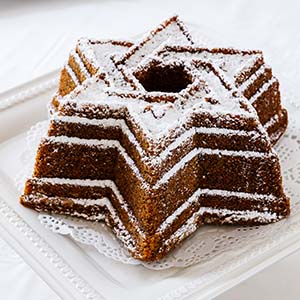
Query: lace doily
207,242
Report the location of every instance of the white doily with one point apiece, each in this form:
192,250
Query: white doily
208,241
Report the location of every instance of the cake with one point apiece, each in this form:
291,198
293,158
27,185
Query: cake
159,137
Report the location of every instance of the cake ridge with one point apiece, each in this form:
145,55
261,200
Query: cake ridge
79,62
168,221
243,87
164,153
72,74
263,89
183,121
165,177
181,232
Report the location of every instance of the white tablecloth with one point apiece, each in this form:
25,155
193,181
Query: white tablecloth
35,37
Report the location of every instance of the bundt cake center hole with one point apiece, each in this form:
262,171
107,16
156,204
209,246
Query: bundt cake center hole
167,79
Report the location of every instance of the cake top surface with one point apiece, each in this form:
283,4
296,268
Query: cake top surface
164,79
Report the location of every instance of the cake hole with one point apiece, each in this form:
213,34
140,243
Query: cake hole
211,100
166,79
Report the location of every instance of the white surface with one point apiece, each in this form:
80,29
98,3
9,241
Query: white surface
45,32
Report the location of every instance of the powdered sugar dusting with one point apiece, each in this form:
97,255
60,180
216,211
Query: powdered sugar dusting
243,87
72,74
263,89
170,31
158,118
80,64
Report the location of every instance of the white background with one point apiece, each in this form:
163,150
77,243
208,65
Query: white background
35,37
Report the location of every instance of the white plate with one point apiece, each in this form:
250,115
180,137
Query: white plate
76,271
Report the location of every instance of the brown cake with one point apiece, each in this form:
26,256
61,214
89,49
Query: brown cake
159,137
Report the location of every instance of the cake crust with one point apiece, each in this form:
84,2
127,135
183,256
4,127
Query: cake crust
158,138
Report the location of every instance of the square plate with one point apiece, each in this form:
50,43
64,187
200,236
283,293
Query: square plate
77,271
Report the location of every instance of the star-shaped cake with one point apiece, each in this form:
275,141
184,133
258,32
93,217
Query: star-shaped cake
159,137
